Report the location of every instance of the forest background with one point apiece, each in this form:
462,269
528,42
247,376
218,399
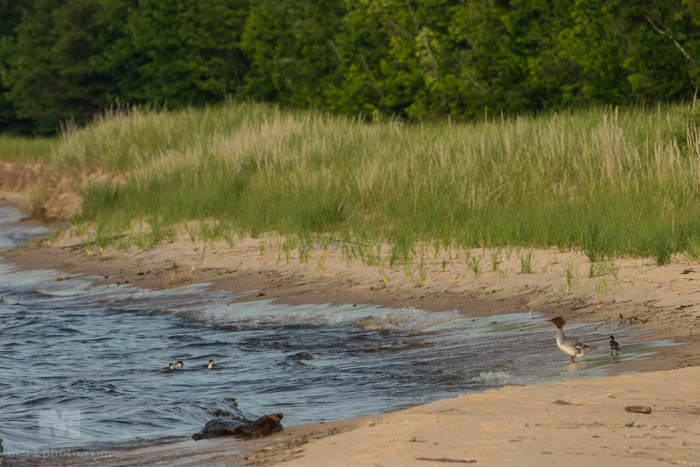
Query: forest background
418,60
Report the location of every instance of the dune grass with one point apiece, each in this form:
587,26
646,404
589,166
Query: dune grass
608,181
25,149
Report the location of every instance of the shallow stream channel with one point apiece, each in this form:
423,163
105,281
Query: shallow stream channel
81,364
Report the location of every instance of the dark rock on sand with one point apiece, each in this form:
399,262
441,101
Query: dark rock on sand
229,426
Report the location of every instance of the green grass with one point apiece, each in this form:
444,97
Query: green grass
25,149
611,182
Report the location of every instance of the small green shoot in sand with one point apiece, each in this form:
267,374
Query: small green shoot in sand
473,264
123,243
382,271
320,262
601,291
494,254
422,271
551,263
290,243
278,255
509,253
436,247
192,232
304,253
324,241
141,241
393,256
201,257
570,274
79,229
640,268
408,268
526,262
229,236
445,263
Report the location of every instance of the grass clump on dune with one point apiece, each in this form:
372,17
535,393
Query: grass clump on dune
610,182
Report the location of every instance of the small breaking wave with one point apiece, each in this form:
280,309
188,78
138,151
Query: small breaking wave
411,319
367,318
498,378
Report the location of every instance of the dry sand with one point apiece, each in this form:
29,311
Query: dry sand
574,423
514,425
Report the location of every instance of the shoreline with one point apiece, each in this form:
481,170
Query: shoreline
658,299
578,422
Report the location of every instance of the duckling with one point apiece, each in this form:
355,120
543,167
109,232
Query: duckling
614,346
567,345
167,368
212,365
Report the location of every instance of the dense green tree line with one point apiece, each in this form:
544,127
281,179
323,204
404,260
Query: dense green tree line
415,59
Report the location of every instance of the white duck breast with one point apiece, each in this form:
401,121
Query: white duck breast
567,345
571,346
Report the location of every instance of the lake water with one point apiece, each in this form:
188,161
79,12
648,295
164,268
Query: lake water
81,364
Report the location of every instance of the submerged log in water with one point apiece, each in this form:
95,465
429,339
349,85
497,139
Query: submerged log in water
229,426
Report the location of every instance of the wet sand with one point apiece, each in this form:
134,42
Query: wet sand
503,427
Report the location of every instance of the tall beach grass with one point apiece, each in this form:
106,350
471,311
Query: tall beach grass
25,149
608,181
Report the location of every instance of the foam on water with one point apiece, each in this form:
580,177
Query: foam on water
499,378
266,313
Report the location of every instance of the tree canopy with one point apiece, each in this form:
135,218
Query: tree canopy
65,60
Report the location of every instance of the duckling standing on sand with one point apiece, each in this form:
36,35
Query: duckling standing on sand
568,346
167,368
212,365
614,346
179,364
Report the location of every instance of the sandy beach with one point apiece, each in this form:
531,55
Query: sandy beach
570,423
578,422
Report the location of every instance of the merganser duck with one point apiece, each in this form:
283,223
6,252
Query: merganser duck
212,365
179,364
568,346
171,367
614,346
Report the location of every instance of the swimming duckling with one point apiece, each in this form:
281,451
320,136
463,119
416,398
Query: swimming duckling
171,367
212,365
179,364
614,346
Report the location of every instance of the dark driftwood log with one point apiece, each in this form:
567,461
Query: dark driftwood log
638,409
229,426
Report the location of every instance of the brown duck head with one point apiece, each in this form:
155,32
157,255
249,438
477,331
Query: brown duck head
558,322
